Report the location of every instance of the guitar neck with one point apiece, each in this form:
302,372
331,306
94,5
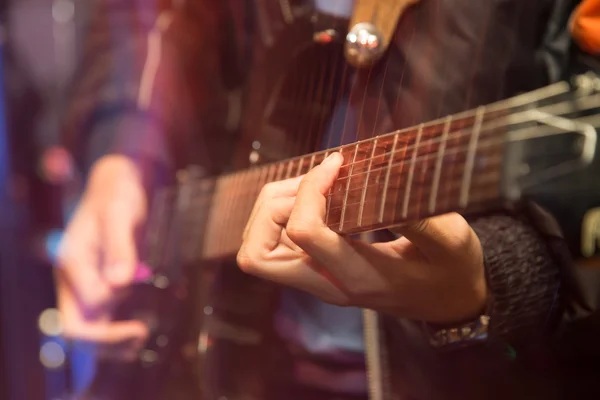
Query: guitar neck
385,181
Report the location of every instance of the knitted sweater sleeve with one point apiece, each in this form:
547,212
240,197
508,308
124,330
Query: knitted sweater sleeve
523,265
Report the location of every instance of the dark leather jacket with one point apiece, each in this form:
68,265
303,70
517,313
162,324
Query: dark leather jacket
154,78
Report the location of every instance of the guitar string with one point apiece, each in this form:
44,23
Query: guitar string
424,95
313,136
493,108
457,134
495,181
480,191
476,196
449,119
495,141
474,193
488,142
409,16
474,67
485,143
486,188
414,14
331,95
296,79
333,57
304,136
346,94
301,107
510,46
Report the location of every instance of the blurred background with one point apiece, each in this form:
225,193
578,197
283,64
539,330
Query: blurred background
38,54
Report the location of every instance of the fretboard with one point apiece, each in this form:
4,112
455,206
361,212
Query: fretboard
452,165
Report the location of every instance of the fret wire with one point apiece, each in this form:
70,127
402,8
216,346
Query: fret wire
348,186
300,164
312,162
438,166
494,159
455,150
235,193
486,188
483,144
330,190
478,197
225,204
387,177
289,169
209,240
246,205
411,173
456,185
279,171
264,178
364,192
454,181
484,180
271,173
468,174
460,134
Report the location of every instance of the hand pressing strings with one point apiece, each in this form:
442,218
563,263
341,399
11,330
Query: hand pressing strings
434,272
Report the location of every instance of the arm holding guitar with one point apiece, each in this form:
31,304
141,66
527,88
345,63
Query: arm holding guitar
123,126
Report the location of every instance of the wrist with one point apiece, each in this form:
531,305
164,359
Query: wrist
139,180
468,302
110,167
467,327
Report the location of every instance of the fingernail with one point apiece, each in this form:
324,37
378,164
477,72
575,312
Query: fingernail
329,158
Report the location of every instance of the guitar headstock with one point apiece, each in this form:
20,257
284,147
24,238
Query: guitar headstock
552,157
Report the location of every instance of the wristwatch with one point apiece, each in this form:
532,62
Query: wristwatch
459,336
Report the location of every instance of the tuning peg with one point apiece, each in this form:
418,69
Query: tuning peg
364,46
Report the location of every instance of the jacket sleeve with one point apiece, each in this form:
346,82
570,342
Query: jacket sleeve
147,74
523,263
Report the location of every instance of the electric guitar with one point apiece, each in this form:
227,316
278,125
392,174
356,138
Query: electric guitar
540,146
